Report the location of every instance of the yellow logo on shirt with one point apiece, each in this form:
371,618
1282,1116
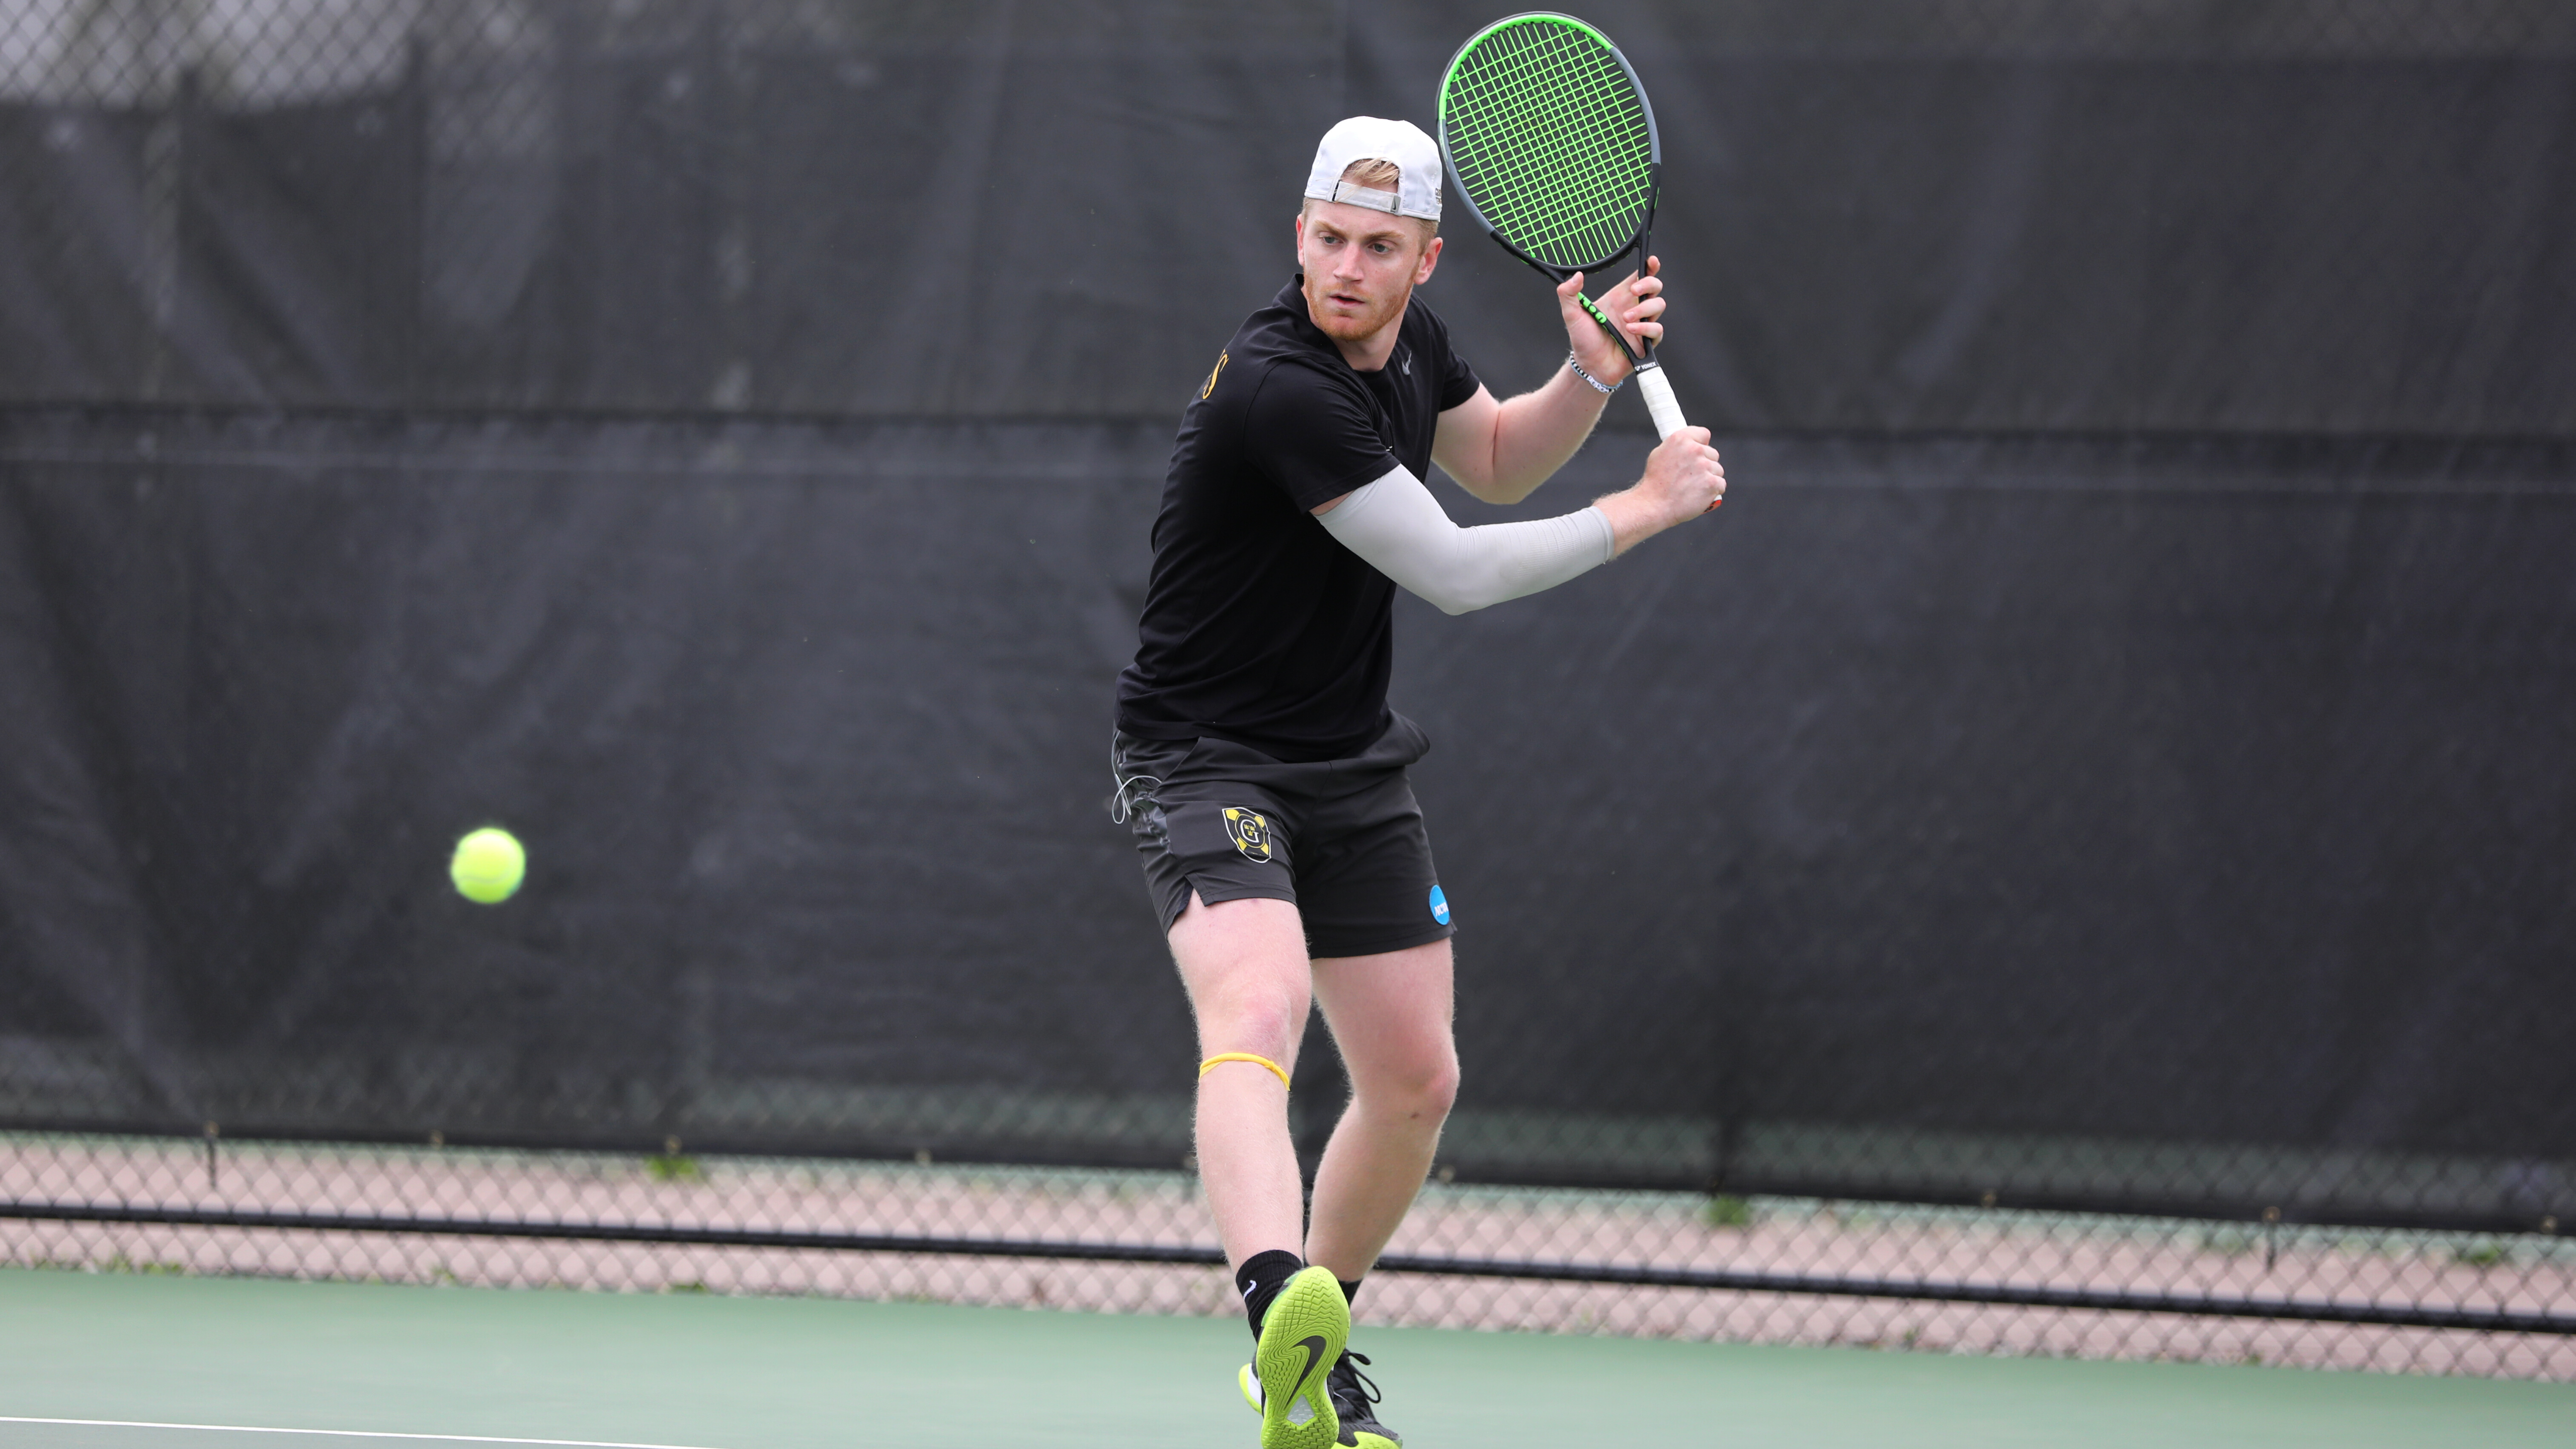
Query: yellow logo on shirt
1211,382
1250,833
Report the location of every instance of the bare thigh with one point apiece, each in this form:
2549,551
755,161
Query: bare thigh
1245,968
1391,1017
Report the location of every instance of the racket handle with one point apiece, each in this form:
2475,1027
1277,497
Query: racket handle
1658,391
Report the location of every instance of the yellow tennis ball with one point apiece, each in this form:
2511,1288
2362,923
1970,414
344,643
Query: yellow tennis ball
488,865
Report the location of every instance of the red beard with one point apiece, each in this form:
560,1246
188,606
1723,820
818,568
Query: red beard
1345,324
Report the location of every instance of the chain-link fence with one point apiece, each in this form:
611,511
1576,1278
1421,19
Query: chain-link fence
414,413
1653,1264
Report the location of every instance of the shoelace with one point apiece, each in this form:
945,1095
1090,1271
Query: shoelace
1359,1392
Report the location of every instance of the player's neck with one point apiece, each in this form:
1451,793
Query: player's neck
1369,354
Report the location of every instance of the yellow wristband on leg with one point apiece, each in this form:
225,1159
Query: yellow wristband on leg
1276,1070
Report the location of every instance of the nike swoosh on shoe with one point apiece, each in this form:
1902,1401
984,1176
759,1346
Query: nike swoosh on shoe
1314,1347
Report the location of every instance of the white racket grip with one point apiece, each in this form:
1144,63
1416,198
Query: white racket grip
1658,391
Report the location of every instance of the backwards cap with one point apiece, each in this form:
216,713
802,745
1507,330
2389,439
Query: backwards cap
1368,138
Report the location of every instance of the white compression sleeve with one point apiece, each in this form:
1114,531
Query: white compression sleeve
1398,526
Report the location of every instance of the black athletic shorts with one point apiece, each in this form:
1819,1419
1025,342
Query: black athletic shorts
1340,839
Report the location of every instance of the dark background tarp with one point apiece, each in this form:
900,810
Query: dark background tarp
2264,217
2113,745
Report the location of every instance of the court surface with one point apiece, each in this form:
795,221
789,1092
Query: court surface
237,1363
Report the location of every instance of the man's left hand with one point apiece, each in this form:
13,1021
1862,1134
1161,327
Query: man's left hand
1636,305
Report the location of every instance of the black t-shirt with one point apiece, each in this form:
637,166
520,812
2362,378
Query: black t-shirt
1259,627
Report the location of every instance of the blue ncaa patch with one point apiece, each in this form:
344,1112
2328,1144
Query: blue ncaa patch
1439,906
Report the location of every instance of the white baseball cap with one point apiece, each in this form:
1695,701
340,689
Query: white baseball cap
1368,138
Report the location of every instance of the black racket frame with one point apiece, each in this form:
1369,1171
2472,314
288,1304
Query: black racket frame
1641,244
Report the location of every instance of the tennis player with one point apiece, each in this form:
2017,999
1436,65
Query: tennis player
1255,756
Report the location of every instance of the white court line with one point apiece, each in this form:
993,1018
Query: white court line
342,1433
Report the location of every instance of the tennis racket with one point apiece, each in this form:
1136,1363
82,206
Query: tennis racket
1550,141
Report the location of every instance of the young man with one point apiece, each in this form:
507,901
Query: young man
1255,755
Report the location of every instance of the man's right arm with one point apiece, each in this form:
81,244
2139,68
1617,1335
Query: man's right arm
1400,529
1684,479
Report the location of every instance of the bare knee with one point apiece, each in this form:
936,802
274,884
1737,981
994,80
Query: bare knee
1262,1017
1438,1091
1420,1090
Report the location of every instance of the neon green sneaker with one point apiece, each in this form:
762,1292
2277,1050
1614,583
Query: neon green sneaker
1301,1344
1355,1401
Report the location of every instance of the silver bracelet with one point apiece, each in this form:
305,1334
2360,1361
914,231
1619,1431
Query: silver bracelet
1603,388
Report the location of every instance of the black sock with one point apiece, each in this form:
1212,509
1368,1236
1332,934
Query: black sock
1350,1289
1260,1279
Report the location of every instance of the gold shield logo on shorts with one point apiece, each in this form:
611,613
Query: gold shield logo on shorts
1250,833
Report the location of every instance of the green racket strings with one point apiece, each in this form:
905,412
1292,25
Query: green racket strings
1549,139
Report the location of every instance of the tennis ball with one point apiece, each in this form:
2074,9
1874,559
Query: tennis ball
487,865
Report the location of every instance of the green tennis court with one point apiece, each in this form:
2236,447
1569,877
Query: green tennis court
177,1363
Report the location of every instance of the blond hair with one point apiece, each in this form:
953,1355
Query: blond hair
1378,175
1373,173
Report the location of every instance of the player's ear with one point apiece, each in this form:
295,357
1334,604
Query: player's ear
1430,259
